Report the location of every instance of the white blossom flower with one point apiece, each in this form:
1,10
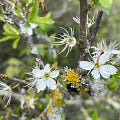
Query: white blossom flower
90,22
44,78
27,101
102,47
99,67
68,39
5,91
76,19
28,30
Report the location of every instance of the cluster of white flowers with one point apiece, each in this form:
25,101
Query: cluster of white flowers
44,78
101,65
5,91
103,48
67,39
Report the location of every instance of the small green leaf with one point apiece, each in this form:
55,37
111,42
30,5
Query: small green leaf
113,84
18,13
14,61
48,15
95,115
95,1
10,29
34,10
42,20
106,3
6,38
15,43
28,1
106,10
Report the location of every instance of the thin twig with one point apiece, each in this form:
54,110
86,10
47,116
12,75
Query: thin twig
83,20
34,51
82,42
31,45
18,80
96,28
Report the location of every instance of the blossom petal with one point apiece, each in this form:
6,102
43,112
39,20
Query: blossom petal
104,58
47,68
73,42
51,84
54,73
111,69
86,65
37,73
33,25
107,70
40,85
29,31
96,74
115,52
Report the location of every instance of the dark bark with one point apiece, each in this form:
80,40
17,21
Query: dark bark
96,28
83,20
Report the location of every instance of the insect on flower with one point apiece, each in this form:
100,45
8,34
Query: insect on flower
67,39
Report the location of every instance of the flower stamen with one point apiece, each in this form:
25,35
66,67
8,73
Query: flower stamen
72,77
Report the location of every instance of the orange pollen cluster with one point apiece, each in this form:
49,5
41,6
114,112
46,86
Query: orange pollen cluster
72,77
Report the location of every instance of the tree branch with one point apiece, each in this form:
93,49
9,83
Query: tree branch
83,20
18,80
35,52
96,28
31,45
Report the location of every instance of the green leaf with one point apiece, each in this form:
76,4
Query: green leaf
15,43
28,1
18,13
10,29
106,3
113,84
95,115
42,20
95,1
14,67
6,38
118,75
34,10
48,15
106,10
14,61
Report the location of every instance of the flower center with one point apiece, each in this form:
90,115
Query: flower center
72,77
46,75
97,65
70,40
